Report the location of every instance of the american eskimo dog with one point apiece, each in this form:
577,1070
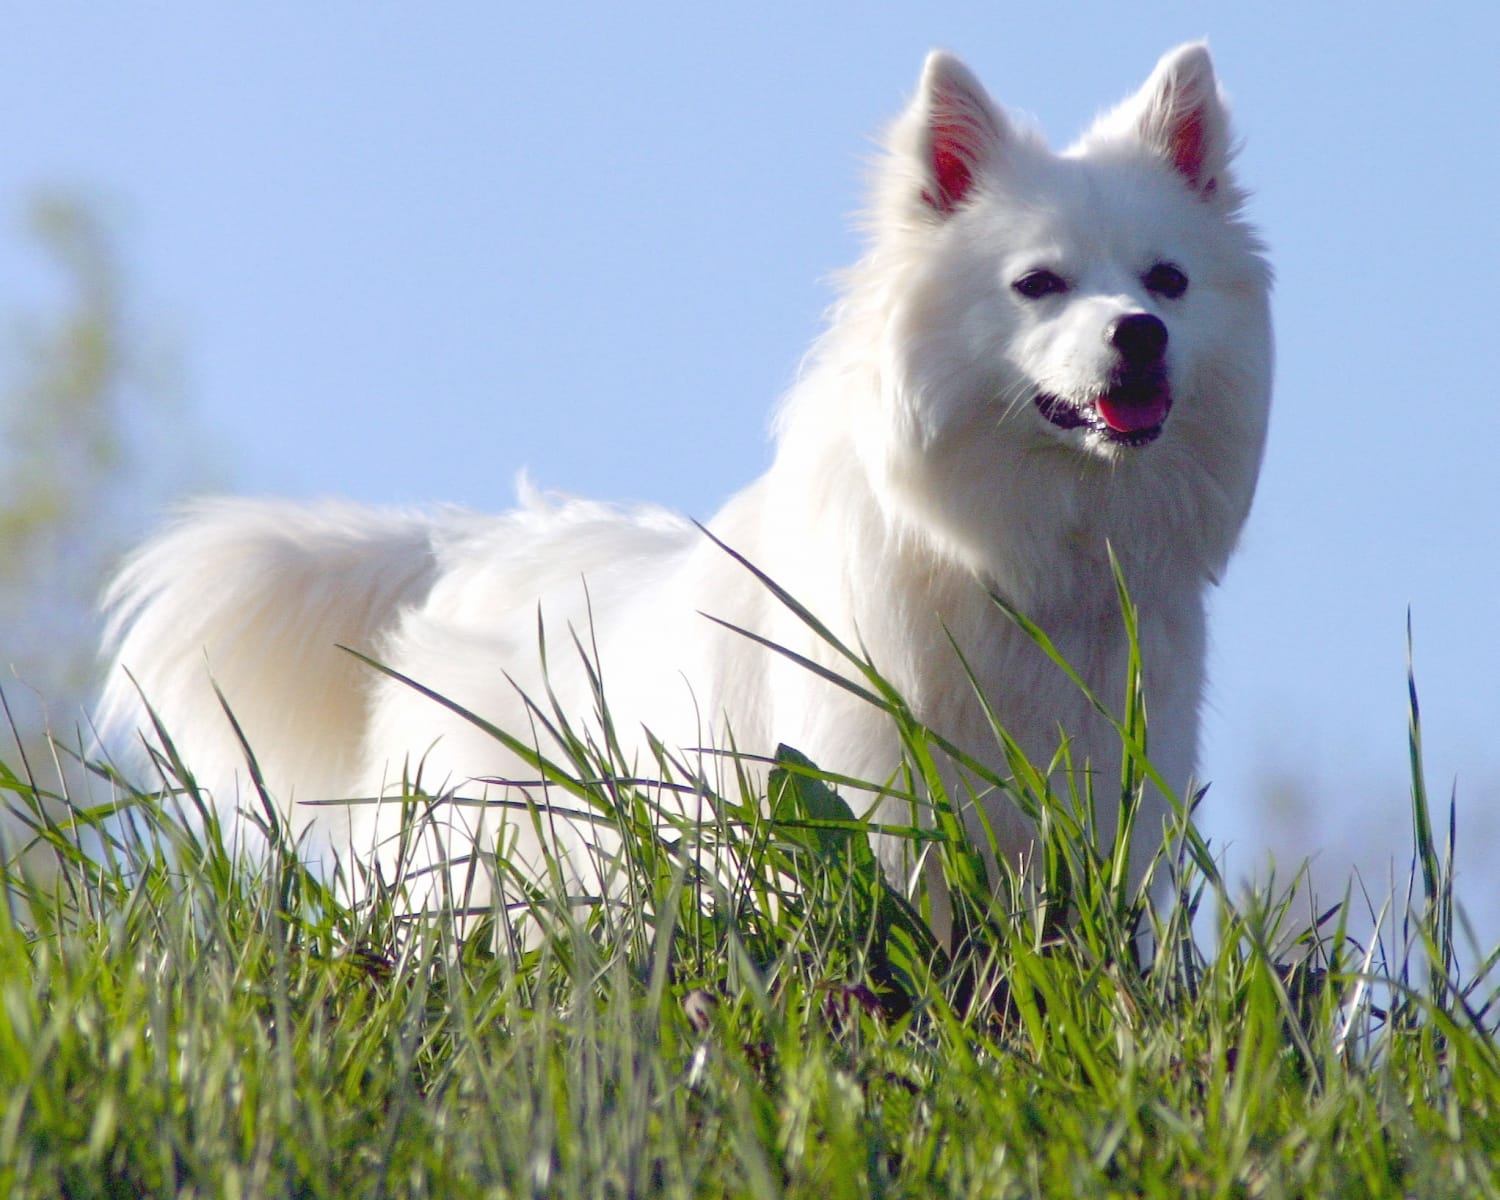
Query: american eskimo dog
1042,360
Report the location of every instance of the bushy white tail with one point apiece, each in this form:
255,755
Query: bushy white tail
262,594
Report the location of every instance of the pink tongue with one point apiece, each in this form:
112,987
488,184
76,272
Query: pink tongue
1132,417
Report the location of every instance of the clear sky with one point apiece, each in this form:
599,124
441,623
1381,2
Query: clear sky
400,252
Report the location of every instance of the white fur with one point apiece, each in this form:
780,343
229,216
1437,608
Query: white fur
913,476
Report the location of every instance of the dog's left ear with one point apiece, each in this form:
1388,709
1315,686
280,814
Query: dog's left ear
962,130
1180,114
949,136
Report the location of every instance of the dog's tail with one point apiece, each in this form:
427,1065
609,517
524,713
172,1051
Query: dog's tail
256,597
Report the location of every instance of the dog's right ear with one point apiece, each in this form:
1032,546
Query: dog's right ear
953,130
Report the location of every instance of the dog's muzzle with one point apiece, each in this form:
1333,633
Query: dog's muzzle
1133,409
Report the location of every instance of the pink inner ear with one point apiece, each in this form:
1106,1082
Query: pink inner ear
1187,146
950,164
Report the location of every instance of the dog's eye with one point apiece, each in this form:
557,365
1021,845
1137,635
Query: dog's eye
1034,285
1165,280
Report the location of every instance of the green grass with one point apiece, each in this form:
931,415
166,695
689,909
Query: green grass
758,1015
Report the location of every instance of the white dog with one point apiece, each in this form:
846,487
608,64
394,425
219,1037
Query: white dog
1040,359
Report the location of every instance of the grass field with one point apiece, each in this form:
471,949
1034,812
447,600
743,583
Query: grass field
757,1014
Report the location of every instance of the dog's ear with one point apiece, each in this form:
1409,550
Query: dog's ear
957,131
1180,114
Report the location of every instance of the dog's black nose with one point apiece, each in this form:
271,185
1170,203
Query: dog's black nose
1140,337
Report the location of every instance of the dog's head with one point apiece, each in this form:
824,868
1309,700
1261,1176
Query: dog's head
1082,291
1107,303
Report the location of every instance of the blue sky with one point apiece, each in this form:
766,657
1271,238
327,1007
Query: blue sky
399,253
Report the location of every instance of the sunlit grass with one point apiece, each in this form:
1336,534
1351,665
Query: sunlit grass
752,1010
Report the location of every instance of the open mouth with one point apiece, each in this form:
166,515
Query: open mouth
1126,415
